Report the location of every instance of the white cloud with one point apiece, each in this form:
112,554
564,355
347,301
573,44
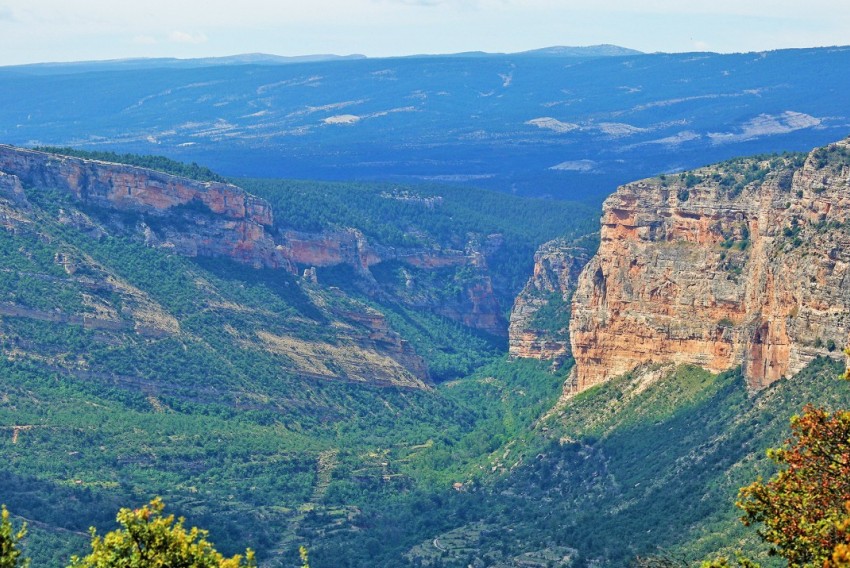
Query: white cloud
186,37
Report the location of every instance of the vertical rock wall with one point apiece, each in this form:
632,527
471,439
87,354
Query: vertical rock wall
743,263
539,318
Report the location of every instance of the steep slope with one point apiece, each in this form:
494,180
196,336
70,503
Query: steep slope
745,263
159,336
458,252
540,315
97,202
215,219
213,377
741,263
224,220
642,463
61,266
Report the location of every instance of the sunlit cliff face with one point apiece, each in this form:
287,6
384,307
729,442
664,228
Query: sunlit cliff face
744,263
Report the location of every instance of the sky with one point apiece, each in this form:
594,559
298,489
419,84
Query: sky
33,31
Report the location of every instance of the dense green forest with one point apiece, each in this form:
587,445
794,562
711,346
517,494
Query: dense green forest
421,216
620,471
129,372
586,483
195,408
152,162
443,214
431,216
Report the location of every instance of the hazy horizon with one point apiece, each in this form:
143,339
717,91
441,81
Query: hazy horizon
52,31
308,56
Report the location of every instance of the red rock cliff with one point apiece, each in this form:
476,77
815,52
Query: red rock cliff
744,263
195,218
534,333
220,219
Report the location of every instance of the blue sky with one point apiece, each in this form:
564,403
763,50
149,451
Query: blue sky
63,30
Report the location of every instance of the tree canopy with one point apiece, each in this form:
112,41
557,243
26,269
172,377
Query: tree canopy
801,506
149,539
804,510
10,553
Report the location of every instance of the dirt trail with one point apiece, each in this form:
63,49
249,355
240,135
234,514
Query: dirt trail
325,466
17,430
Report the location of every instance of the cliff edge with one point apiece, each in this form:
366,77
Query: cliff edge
539,323
213,219
741,263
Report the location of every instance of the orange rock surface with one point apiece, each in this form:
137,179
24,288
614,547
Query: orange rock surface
744,263
557,265
196,218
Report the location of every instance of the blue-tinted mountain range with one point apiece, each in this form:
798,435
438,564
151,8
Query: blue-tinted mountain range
556,122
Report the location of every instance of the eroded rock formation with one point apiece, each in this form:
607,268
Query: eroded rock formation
540,315
199,218
743,263
195,218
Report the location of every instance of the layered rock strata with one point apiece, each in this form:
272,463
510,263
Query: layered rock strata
745,263
475,306
195,218
223,219
539,321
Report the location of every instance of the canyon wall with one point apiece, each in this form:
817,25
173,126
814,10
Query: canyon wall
197,218
540,316
742,263
200,218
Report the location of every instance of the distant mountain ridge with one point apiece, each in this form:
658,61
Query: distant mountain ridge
48,68
539,123
602,50
272,59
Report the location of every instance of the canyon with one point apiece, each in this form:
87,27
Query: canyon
534,334
214,219
742,263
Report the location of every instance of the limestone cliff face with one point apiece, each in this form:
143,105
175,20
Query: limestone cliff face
11,188
203,218
349,246
329,248
476,304
540,315
194,218
744,263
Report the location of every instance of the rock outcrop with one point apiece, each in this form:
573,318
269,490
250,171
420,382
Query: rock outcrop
539,322
743,263
351,247
11,188
476,304
199,218
195,218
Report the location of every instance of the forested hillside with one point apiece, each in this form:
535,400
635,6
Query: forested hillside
434,216
250,398
331,410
